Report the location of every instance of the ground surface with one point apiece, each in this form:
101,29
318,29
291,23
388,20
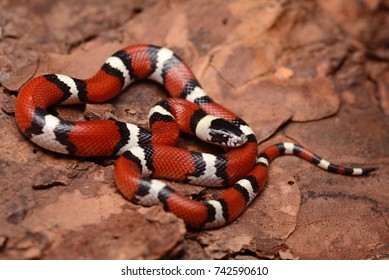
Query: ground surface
312,72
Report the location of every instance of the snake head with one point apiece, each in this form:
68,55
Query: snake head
223,133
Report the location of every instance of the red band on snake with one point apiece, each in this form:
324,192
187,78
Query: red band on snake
150,153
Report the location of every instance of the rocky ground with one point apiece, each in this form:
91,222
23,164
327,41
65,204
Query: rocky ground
312,72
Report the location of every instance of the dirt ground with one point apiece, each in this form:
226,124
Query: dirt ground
312,72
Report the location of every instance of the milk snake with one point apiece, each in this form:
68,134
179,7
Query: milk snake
151,153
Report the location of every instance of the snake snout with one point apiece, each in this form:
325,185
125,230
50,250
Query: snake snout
239,141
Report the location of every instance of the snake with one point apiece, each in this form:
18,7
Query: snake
148,157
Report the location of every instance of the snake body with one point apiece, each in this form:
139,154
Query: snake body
148,154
